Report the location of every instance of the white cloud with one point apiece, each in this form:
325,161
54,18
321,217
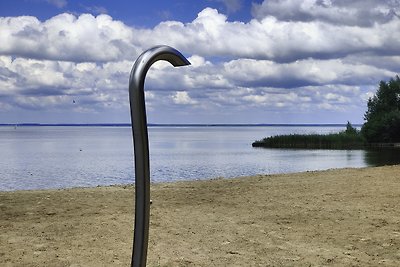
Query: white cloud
261,73
183,98
337,98
277,99
33,83
241,83
269,38
328,106
89,38
66,37
270,63
354,13
305,99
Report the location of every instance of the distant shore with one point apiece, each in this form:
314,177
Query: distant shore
176,125
341,217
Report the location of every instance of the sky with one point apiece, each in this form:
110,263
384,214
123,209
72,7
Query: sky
272,61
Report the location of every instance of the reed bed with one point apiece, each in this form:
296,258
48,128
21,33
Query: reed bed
341,140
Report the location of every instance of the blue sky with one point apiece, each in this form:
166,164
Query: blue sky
132,13
287,61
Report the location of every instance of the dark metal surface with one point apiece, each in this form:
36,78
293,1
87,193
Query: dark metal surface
141,144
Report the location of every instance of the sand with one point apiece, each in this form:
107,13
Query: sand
347,217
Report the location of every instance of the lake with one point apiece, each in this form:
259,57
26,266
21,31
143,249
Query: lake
44,157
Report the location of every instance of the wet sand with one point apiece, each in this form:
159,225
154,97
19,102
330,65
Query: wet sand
347,217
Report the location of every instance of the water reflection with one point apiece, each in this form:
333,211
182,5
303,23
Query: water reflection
380,157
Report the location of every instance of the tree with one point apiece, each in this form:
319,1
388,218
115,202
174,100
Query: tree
350,130
383,115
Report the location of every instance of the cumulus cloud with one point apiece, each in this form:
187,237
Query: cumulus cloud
305,99
183,98
306,59
67,37
364,13
260,73
89,38
211,34
40,83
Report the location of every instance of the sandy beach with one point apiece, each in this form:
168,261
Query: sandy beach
346,217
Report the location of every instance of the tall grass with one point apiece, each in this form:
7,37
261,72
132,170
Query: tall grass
341,140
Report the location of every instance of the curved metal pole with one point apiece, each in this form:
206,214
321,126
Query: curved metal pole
141,144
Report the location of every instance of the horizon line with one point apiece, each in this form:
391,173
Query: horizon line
178,124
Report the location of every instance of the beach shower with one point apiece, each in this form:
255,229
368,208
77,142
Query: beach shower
141,143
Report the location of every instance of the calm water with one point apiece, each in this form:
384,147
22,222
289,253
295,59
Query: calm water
62,157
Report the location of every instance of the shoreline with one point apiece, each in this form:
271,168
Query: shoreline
177,182
187,181
337,217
